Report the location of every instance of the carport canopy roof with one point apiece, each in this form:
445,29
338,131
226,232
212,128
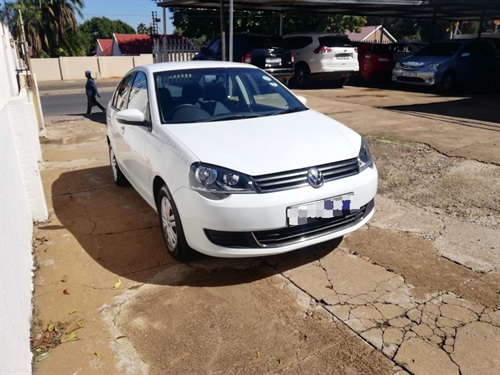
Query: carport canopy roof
452,10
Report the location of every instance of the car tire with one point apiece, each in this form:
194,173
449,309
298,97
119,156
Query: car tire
447,83
116,172
171,226
302,77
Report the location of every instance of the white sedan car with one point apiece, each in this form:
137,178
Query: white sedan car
234,163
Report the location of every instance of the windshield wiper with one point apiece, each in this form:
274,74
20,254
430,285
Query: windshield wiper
288,110
236,117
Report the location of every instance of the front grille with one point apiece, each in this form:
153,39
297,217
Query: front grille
289,235
321,227
411,79
406,67
298,177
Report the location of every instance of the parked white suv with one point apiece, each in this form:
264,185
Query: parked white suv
322,57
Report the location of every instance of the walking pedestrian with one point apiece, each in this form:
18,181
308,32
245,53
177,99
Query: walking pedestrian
92,91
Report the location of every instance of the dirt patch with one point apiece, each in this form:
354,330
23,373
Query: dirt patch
418,261
453,187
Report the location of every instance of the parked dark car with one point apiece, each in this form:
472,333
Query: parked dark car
450,64
375,60
265,52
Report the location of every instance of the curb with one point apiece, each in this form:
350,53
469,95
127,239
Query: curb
73,91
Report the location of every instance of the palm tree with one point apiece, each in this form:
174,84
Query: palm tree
142,29
63,18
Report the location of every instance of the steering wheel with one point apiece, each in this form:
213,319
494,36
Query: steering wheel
170,115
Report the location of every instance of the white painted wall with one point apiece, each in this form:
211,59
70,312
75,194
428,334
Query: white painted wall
21,201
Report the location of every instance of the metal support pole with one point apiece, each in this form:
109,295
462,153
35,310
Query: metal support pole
281,24
433,25
481,24
231,12
382,31
222,31
451,30
164,21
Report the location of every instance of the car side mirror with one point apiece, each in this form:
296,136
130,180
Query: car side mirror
302,99
465,54
131,116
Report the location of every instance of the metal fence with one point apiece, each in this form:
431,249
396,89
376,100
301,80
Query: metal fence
172,48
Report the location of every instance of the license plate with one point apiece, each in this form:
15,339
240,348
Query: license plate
273,60
342,57
409,74
383,59
324,209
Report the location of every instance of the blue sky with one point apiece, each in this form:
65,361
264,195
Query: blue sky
132,12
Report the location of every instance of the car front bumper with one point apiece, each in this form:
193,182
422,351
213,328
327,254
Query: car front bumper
249,214
420,77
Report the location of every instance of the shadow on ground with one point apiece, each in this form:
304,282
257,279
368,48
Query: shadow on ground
476,108
121,232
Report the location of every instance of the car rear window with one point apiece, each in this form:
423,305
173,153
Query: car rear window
380,48
264,42
444,49
335,41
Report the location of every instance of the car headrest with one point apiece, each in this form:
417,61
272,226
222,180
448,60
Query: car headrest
216,93
192,92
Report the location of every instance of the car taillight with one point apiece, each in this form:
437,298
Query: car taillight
322,49
292,58
356,49
246,58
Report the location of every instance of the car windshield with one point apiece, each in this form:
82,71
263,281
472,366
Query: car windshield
380,48
220,94
443,49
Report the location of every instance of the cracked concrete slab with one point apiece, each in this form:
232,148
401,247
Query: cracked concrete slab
382,301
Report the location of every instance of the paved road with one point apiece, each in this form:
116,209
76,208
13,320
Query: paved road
69,104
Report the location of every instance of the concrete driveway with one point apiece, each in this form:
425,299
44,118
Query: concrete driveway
417,291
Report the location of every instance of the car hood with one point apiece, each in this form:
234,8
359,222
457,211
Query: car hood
421,61
269,144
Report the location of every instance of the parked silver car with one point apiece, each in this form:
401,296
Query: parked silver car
450,64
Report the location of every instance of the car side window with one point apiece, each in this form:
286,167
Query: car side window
121,95
298,42
139,95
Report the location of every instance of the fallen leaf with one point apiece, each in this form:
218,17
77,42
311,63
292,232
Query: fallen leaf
120,337
117,284
273,358
50,328
95,353
65,291
71,336
257,356
43,357
64,278
72,312
38,350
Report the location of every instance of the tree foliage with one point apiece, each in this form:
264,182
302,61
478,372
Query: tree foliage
104,28
47,23
198,23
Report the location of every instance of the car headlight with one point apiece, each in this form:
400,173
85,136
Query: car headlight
365,157
432,67
220,181
398,65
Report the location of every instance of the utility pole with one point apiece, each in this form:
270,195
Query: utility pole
222,31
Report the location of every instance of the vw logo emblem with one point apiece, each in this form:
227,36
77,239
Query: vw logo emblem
314,177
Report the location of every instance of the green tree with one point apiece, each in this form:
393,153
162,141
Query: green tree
196,23
47,23
104,28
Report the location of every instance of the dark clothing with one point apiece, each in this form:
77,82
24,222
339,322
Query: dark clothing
91,101
91,91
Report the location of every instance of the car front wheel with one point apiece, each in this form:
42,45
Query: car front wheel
117,174
171,226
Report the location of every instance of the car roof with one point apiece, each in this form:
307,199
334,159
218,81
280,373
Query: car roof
183,65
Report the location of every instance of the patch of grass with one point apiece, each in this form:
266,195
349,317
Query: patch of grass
391,140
